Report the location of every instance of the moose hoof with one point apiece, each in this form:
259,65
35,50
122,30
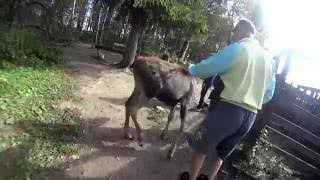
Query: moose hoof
170,154
163,137
140,142
128,136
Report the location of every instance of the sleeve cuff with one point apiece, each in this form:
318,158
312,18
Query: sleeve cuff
191,69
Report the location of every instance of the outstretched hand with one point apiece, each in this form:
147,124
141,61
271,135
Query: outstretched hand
185,71
185,68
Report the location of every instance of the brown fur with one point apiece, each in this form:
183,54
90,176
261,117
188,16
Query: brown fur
155,78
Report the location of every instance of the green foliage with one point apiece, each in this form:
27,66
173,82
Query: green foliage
27,92
206,24
263,161
220,27
32,82
29,102
189,15
185,13
26,49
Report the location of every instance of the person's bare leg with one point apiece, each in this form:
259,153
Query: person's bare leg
216,164
197,161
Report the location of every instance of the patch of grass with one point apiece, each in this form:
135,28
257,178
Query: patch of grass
157,114
263,161
43,133
30,93
32,82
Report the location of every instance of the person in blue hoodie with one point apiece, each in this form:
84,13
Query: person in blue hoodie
248,75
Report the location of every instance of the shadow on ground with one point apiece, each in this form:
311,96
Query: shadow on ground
106,142
152,103
146,161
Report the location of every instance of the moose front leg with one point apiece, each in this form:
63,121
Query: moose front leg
133,104
173,148
170,117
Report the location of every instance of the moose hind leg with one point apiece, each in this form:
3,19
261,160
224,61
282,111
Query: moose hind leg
183,114
129,105
170,117
182,134
126,130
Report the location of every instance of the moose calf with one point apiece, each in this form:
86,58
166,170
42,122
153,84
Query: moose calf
155,78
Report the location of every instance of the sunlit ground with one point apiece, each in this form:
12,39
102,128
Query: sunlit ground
296,25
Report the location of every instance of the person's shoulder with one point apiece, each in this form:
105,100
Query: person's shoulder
250,42
234,47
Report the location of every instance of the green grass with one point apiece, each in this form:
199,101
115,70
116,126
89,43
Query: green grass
32,83
28,93
43,133
264,161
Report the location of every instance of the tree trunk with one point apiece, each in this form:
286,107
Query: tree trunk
137,23
185,50
74,7
94,23
14,12
126,28
11,11
82,14
106,23
94,17
165,38
72,15
102,28
108,18
144,38
122,27
71,21
155,33
141,42
21,13
97,32
178,43
86,28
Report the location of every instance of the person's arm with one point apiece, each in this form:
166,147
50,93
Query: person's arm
270,91
215,64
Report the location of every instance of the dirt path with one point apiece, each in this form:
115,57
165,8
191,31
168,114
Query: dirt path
104,91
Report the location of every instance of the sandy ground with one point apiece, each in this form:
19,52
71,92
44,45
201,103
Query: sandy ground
108,155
